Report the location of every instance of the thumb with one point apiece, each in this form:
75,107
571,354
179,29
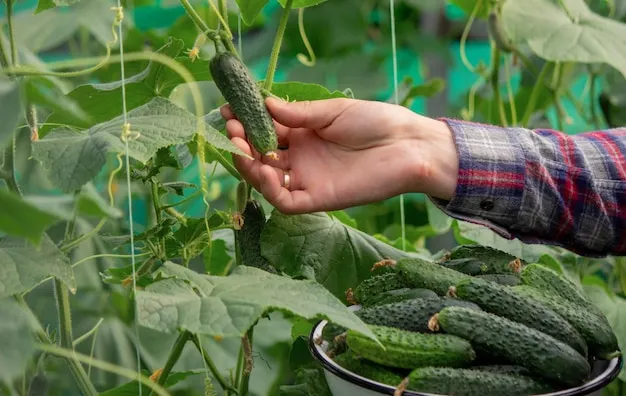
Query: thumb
314,114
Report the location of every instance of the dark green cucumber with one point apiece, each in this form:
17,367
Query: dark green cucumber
593,327
408,350
397,295
503,368
504,301
249,237
502,279
548,280
234,81
469,266
367,369
496,261
469,382
420,273
410,315
543,355
371,287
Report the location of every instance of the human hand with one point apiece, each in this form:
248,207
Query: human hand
346,152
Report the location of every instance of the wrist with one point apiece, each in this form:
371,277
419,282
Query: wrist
434,165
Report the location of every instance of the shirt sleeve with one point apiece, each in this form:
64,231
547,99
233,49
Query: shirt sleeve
542,186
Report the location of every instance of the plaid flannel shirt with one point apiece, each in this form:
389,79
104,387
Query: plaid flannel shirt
543,186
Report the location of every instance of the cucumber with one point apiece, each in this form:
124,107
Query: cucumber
503,368
250,237
469,382
397,295
370,370
234,81
593,327
410,315
543,355
496,261
507,303
502,279
548,280
469,266
418,273
408,350
370,288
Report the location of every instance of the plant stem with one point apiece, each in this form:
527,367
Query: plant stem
246,343
592,98
194,16
223,161
211,365
495,84
278,40
75,242
65,335
175,353
534,95
156,202
14,60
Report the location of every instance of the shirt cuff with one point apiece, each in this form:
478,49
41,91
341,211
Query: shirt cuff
491,177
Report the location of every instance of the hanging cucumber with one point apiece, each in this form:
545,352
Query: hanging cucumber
235,83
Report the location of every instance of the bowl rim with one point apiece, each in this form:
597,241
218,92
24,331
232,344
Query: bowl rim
319,354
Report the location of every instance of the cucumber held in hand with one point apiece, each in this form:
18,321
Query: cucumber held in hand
235,83
543,355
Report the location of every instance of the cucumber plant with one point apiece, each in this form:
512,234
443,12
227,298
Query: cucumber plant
120,275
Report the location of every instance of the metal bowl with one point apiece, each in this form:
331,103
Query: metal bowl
345,383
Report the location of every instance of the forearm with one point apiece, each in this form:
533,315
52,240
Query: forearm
542,186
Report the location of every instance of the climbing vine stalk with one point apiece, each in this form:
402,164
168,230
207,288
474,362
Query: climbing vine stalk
534,95
177,350
278,40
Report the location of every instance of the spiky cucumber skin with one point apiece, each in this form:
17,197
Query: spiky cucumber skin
398,295
424,274
546,279
250,237
502,279
543,355
368,369
409,315
469,382
408,350
504,301
234,81
593,327
496,261
371,287
503,368
469,266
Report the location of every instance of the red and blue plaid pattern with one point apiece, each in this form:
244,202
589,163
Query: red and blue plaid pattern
543,186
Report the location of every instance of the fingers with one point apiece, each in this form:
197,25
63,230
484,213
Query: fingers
286,201
315,114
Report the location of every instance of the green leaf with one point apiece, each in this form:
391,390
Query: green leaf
301,3
24,266
103,102
614,308
16,330
468,7
250,9
132,388
88,202
566,31
43,5
72,159
317,246
183,299
298,91
11,109
22,219
47,92
407,91
439,221
220,253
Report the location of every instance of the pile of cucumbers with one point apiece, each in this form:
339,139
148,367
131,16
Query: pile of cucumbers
478,322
